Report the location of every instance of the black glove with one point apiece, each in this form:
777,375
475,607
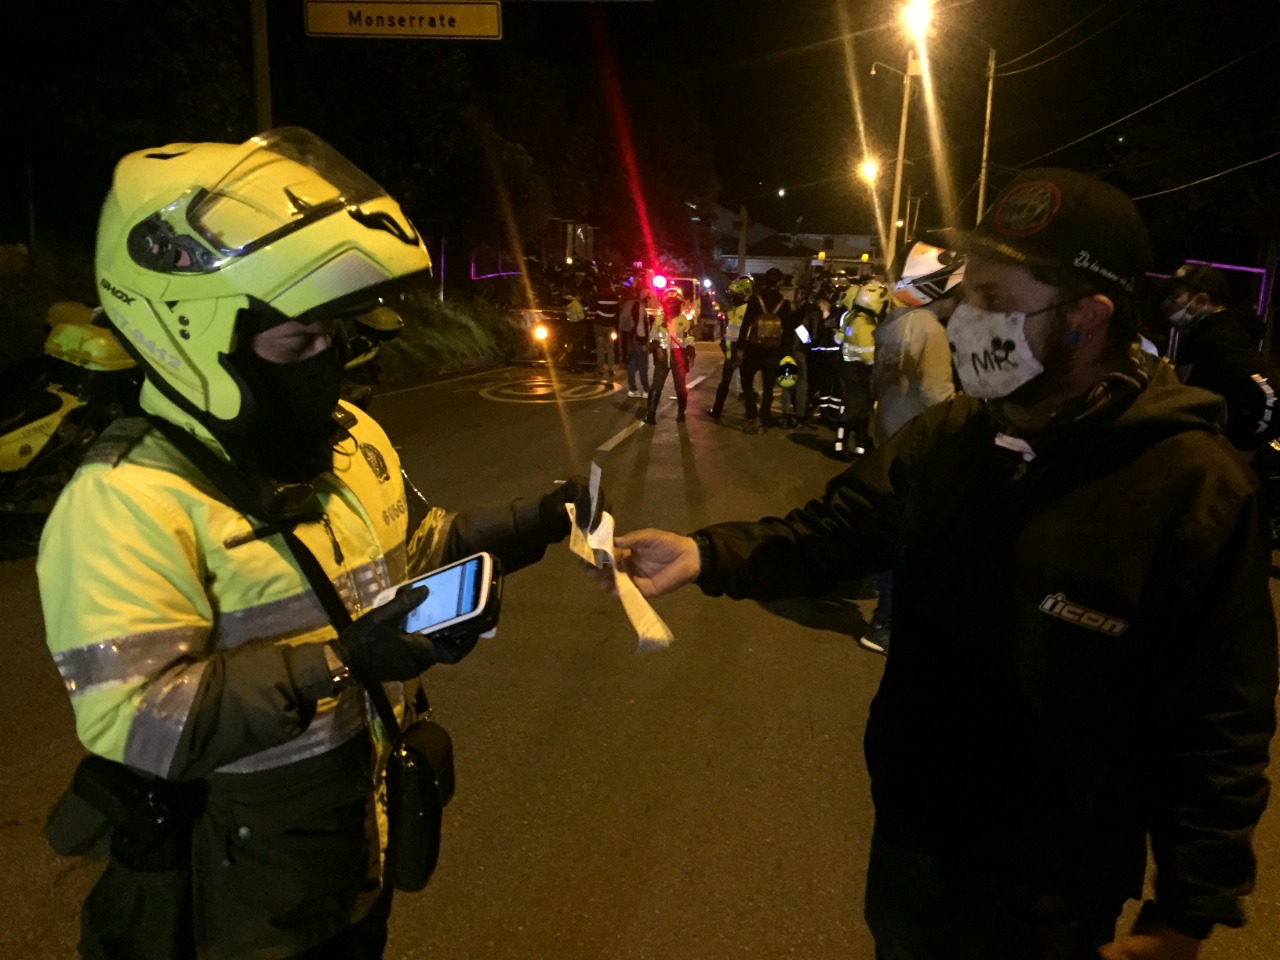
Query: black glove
552,516
377,650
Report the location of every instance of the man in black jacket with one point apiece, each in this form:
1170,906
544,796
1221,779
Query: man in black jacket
1084,645
1217,347
762,353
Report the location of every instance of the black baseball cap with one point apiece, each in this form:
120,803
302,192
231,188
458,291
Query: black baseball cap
1199,278
1051,217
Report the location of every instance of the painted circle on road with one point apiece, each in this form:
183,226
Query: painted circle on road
546,390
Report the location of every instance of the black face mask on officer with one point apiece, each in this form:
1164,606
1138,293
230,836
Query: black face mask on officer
293,431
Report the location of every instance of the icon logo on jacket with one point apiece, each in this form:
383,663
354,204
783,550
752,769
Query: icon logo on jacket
377,462
1057,605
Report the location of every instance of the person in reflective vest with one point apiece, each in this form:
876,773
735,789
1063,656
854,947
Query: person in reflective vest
857,349
741,291
671,343
204,674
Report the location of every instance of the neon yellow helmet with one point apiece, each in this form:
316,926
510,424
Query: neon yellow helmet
203,245
742,289
788,373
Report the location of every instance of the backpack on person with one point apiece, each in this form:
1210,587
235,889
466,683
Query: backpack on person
767,331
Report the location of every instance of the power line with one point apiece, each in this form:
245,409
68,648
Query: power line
1153,103
1215,176
1102,6
1105,26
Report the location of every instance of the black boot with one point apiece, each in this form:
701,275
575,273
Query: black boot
651,417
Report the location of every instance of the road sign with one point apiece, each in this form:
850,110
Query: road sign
396,19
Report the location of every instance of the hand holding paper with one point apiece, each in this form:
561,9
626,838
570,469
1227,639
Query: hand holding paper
597,548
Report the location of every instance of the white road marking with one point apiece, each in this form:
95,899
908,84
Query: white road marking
618,437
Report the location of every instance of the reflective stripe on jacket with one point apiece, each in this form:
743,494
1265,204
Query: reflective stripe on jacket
733,322
144,575
855,336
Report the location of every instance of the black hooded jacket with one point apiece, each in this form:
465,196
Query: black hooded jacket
1084,650
1219,352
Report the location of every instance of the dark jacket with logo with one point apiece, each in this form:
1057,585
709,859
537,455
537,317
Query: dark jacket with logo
1084,650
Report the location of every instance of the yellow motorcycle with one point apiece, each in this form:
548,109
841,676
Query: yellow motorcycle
52,409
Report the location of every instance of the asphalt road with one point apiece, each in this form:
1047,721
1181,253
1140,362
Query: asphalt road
703,803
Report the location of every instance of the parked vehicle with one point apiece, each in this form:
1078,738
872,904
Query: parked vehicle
52,409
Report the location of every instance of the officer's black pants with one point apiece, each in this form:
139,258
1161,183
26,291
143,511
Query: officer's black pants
855,390
664,363
766,362
732,364
364,940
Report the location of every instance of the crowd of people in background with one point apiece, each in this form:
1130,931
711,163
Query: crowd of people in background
862,357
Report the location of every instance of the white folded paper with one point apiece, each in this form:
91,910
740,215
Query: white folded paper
596,549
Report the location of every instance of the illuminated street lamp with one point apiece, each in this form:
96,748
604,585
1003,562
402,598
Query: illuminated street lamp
916,16
868,170
782,191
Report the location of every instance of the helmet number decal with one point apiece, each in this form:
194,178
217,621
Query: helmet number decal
157,353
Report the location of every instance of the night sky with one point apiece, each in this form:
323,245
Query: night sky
768,77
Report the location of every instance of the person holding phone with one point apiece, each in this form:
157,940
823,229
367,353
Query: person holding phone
233,755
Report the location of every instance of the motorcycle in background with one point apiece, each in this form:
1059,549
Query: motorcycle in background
52,409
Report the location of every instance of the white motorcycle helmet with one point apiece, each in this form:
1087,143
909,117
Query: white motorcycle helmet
203,245
927,274
872,296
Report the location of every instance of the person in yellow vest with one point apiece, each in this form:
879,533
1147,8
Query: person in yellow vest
578,331
671,342
858,350
232,754
741,291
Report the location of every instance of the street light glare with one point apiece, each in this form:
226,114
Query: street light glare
916,15
868,170
782,191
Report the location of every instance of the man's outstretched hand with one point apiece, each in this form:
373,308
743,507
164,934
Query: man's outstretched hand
1164,944
658,561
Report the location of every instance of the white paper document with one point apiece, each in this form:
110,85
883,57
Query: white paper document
596,548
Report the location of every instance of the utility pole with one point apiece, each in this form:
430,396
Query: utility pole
742,240
261,66
986,133
913,67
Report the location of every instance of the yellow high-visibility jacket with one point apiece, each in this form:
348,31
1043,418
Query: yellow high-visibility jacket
193,648
855,336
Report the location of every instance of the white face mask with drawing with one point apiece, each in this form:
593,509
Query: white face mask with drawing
991,352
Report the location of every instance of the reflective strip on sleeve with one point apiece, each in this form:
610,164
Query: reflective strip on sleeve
396,565
326,732
302,613
160,717
275,620
371,579
126,658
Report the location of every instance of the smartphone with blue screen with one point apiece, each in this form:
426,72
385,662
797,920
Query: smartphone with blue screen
465,598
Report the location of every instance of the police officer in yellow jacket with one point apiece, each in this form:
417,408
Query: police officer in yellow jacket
857,348
200,664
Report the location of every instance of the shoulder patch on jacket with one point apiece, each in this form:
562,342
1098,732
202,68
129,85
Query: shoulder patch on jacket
117,440
377,462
